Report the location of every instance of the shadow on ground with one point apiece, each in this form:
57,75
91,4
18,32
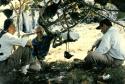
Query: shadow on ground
61,72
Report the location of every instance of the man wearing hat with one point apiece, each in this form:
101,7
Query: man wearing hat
110,51
10,59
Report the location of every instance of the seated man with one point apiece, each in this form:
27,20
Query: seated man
110,51
41,43
10,59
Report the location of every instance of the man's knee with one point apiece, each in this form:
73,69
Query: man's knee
90,55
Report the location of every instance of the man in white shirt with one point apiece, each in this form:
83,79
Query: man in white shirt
109,51
10,59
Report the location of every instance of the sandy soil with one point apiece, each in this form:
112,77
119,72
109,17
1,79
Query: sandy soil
88,35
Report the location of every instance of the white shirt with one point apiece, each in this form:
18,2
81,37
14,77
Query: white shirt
111,44
7,41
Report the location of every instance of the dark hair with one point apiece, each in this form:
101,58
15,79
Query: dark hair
106,21
7,23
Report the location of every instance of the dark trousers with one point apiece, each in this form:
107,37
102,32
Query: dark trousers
20,57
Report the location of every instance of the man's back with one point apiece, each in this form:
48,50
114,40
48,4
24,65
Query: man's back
111,44
5,46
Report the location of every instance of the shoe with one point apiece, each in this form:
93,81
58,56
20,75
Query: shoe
24,69
67,55
104,78
36,66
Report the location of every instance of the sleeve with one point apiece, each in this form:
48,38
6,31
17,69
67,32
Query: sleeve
48,37
105,44
33,42
97,42
14,40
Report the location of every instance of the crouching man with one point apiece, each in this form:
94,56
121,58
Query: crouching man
21,56
109,49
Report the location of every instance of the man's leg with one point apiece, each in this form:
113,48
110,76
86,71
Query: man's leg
22,56
94,58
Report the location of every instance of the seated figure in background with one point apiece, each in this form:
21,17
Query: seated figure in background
41,43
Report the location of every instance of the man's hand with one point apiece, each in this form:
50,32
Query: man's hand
92,48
